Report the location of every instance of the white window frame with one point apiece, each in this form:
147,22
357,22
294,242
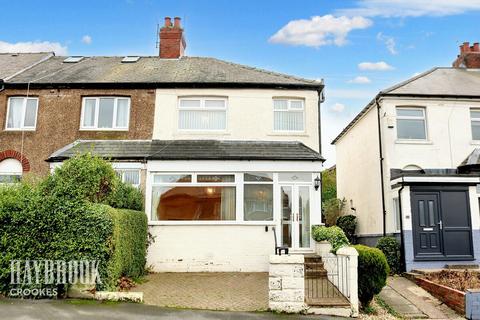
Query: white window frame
97,111
472,120
24,108
121,172
202,108
424,118
272,183
289,109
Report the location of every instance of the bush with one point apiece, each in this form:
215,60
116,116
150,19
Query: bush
391,249
332,209
373,271
126,197
334,235
348,224
129,245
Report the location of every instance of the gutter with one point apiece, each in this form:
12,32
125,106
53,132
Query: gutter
402,237
380,148
321,98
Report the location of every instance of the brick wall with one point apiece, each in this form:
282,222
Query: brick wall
455,299
58,122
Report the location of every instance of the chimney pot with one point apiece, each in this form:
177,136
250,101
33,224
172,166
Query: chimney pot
176,22
469,56
466,47
168,21
476,47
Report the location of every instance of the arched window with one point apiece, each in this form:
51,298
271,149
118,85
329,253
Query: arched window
412,167
10,171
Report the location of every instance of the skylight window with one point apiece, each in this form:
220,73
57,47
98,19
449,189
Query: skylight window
130,59
73,59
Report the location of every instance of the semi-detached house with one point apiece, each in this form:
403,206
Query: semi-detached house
224,153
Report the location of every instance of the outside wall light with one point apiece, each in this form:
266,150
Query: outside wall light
317,183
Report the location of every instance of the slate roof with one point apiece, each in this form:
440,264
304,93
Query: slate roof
13,63
189,150
154,70
437,82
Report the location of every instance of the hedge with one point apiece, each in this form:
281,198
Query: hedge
373,271
348,224
391,248
334,235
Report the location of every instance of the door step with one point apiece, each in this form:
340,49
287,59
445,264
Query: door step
461,266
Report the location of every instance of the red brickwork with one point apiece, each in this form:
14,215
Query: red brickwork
469,56
172,42
453,298
12,154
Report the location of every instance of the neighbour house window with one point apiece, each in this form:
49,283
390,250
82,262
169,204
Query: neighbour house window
208,113
258,196
475,119
411,123
10,171
129,176
22,113
289,115
105,113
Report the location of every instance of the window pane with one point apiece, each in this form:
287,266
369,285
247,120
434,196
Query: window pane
411,129
258,202
172,178
476,130
89,113
105,114
410,112
214,103
193,203
288,120
189,103
31,113
202,120
10,178
258,176
122,113
295,176
216,178
15,113
296,104
280,104
131,177
475,114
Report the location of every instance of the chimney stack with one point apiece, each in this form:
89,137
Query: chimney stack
469,56
172,41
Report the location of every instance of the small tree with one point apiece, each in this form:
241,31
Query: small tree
332,209
329,184
348,224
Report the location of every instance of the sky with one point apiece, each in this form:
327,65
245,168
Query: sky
358,47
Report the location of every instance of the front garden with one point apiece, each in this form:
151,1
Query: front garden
82,212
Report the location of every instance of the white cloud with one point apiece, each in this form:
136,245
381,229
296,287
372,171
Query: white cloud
338,107
319,31
87,39
410,8
375,66
389,42
360,80
36,46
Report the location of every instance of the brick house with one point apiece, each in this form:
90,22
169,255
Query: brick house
219,149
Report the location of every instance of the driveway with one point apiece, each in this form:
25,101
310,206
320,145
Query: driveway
89,309
233,291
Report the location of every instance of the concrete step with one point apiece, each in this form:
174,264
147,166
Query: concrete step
313,274
328,302
314,265
312,258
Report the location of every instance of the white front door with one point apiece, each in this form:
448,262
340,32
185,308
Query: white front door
295,216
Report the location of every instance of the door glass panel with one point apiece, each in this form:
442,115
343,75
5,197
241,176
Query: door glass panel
304,217
286,205
431,213
421,213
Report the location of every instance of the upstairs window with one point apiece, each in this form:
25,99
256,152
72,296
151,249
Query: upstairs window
22,113
208,114
289,115
475,119
105,113
411,124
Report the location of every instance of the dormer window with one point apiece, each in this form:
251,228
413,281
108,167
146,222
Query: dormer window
289,115
202,114
105,113
411,123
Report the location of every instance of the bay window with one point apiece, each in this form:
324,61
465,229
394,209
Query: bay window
22,113
105,113
289,115
195,113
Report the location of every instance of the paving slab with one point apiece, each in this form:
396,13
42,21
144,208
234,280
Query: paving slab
400,304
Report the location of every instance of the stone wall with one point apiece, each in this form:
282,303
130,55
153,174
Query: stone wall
287,284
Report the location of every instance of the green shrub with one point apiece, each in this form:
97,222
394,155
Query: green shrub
334,235
348,224
126,197
129,245
391,248
373,271
332,209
